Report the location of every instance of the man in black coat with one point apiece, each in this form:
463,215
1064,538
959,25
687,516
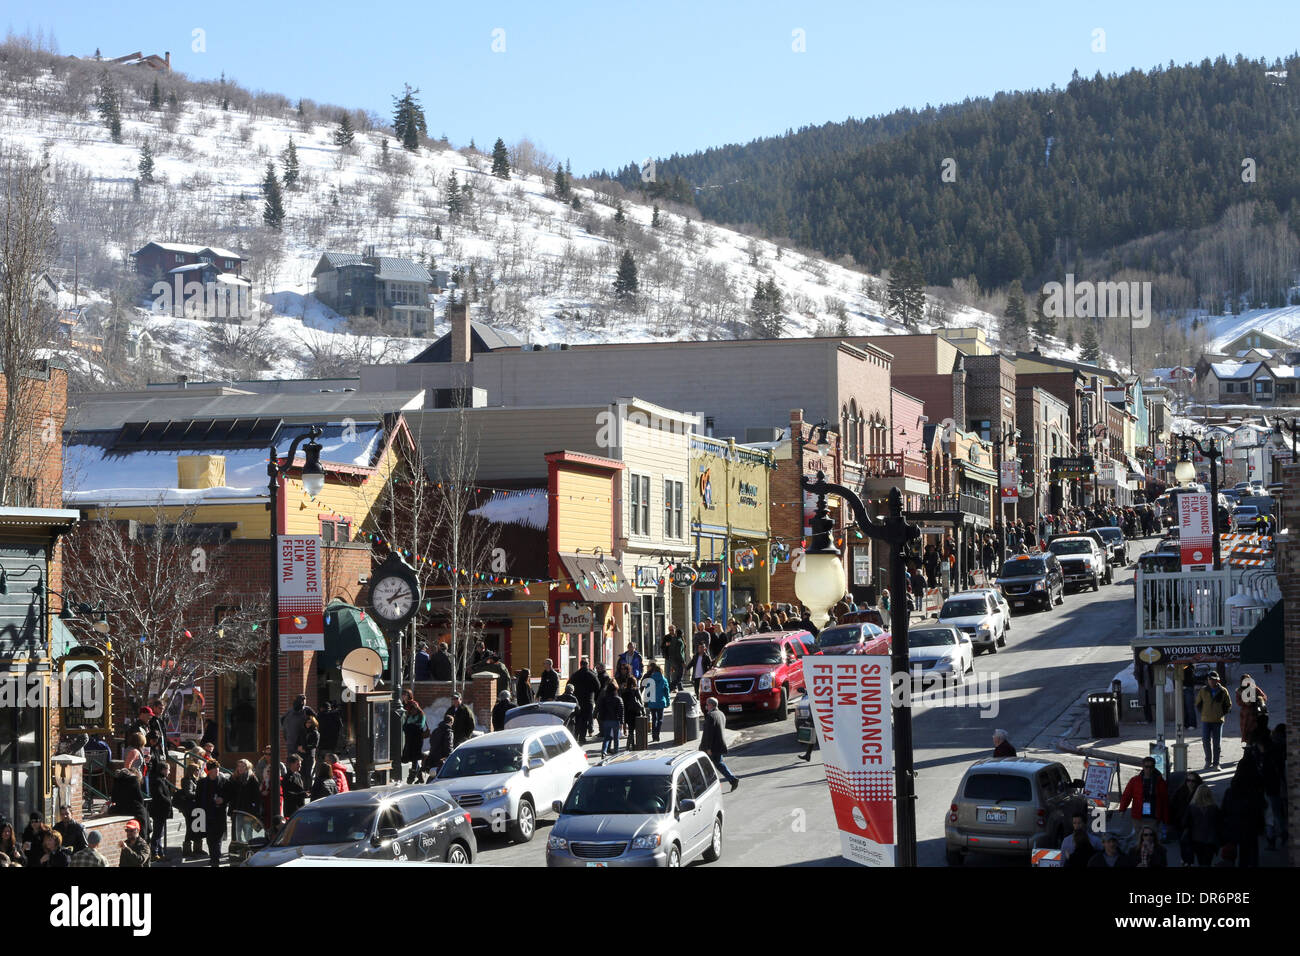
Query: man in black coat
72,832
549,688
586,685
441,744
441,667
295,791
331,727
462,720
423,664
713,740
211,801
500,710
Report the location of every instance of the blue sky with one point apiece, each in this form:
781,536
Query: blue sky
608,83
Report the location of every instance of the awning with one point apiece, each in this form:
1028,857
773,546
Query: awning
976,473
346,629
1263,645
598,580
491,610
1134,466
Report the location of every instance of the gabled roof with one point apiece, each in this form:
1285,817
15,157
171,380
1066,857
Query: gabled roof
1227,371
482,338
387,268
192,250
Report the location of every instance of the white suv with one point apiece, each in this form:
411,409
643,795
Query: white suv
504,779
976,614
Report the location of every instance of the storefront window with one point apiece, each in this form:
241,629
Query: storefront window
20,761
240,709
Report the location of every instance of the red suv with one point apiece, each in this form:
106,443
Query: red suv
759,673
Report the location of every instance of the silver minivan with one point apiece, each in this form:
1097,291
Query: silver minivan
648,808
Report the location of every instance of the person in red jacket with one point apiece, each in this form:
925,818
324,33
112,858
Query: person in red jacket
336,770
1148,795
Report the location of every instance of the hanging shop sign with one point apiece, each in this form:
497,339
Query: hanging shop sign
647,576
576,619
1195,532
746,558
684,576
709,577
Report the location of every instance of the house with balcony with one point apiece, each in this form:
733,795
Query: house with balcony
393,291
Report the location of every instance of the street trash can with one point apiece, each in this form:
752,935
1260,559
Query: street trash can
686,717
1103,715
640,733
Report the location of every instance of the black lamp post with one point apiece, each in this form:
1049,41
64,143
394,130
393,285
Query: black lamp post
313,480
1000,440
1213,454
825,577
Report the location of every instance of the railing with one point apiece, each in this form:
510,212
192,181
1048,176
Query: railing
968,504
1191,603
894,465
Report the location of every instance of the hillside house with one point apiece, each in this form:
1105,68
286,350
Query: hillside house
163,64
393,291
157,259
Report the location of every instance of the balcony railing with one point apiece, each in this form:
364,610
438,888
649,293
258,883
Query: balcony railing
894,465
1190,604
967,504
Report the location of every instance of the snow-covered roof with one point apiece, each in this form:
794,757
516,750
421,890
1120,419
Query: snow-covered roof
192,250
1236,370
527,508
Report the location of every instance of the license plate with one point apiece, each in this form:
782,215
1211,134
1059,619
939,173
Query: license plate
995,816
1017,603
598,864
735,708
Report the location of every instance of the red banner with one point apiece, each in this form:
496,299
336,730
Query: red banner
1195,532
301,592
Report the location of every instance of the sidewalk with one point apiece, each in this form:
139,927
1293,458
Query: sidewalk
1135,738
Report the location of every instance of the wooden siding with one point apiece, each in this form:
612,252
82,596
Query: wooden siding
585,512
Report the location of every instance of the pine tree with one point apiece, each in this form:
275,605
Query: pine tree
383,152
654,218
1015,319
290,165
767,310
437,232
273,210
155,98
905,298
455,203
224,96
408,119
576,203
619,217
344,135
625,283
1044,324
561,184
500,160
1069,339
109,110
145,167
1089,347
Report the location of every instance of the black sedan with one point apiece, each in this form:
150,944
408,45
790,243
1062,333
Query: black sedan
1115,544
416,823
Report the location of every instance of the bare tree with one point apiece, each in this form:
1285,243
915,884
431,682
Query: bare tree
29,317
153,576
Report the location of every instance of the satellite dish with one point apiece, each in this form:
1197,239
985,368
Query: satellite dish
361,668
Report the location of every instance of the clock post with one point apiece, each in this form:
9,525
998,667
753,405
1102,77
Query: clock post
394,599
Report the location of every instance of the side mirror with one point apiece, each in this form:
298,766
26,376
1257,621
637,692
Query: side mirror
686,805
537,763
1077,783
383,835
557,806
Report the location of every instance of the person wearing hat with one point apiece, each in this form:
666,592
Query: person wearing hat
499,711
90,855
1213,704
1110,854
462,720
135,852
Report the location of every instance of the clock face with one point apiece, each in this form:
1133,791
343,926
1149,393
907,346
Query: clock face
392,598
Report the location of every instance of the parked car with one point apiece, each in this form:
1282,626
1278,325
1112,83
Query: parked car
1033,579
1116,544
976,615
387,823
852,639
648,808
1003,607
1160,560
866,615
1245,517
1011,806
759,673
1082,560
505,778
943,651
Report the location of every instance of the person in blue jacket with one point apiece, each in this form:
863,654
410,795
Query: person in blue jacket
654,687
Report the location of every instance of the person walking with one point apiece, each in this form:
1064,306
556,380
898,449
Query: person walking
423,663
441,744
632,659
523,687
293,786
1252,705
462,720
701,664
633,707
586,685
654,686
128,797
161,794
609,713
309,746
1204,829
186,800
211,799
323,784
1213,704
414,730
440,665
549,688
713,740
292,722
1148,795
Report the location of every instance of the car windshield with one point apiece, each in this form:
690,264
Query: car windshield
607,793
1112,534
750,652
1070,546
968,607
839,636
1028,568
931,637
1246,510
478,761
315,825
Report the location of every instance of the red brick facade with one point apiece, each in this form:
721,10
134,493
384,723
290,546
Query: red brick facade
786,496
1289,580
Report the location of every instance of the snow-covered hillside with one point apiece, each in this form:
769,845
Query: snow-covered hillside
1283,323
537,266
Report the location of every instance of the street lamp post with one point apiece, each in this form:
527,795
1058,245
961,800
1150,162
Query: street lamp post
1181,473
313,480
821,583
1000,440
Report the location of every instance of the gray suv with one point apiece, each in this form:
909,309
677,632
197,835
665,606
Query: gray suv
1011,806
660,808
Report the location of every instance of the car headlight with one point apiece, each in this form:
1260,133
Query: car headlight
1040,585
496,792
646,842
706,685
556,843
984,630
765,682
943,665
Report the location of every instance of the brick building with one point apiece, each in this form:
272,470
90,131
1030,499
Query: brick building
791,509
1289,581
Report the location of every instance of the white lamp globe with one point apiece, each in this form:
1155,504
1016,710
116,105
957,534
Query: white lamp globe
819,585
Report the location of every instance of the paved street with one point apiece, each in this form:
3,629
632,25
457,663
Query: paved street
781,815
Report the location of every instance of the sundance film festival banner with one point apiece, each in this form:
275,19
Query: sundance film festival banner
301,592
851,713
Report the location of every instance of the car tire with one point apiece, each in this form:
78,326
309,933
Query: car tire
524,825
782,711
674,856
1002,638
955,857
458,854
714,852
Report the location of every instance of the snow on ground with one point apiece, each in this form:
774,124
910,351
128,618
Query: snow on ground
1284,323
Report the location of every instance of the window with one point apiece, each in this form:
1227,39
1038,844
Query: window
332,532
684,791
391,818
179,257
413,808
998,787
697,778
673,495
230,263
556,744
1263,386
710,775
535,751
639,506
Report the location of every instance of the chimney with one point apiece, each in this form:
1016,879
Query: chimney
458,316
167,58
201,471
182,381
959,391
